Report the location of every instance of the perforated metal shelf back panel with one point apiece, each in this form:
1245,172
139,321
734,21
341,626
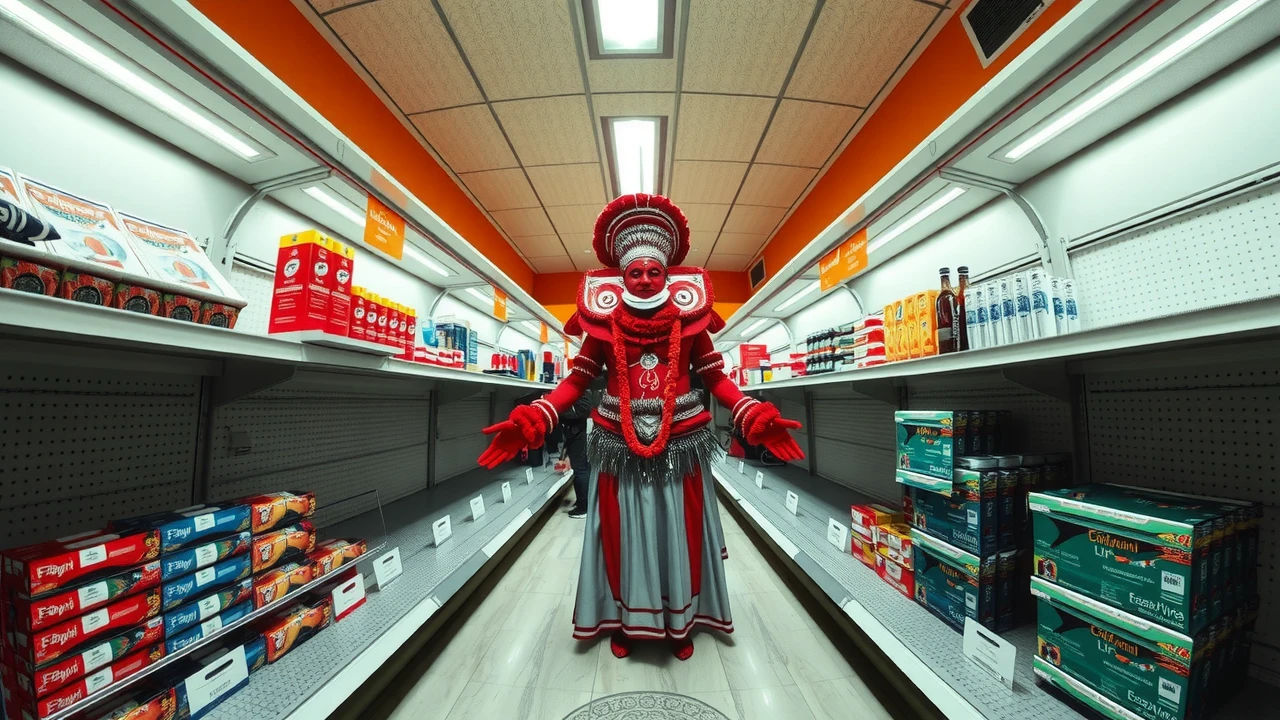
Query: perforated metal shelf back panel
1041,424
256,286
461,438
80,447
855,444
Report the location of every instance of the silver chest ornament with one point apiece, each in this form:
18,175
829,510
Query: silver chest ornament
649,373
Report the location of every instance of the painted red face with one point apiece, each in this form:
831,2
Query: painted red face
644,278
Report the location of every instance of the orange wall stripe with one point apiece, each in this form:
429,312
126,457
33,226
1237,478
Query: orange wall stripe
280,37
942,79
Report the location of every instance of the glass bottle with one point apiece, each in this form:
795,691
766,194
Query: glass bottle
960,319
945,312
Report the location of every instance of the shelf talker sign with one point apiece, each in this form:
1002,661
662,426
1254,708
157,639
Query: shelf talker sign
384,229
847,260
500,304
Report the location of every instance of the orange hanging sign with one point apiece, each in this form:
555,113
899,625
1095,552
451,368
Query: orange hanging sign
384,229
499,304
847,260
566,350
542,333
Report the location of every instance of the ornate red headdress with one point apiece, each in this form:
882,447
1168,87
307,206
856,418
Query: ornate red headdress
640,225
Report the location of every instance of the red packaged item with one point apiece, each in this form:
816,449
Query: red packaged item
333,554
218,315
355,328
280,546
274,584
89,684
274,510
49,678
340,290
87,289
899,578
40,569
300,299
296,625
155,702
132,298
28,615
29,277
48,645
864,550
180,307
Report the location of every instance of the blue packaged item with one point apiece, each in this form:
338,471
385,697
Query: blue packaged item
473,349
231,615
255,653
207,607
177,592
181,528
954,584
183,562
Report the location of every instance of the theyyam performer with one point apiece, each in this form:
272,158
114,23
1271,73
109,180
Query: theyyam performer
652,558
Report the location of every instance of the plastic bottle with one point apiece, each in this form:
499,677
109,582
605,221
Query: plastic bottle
978,328
1008,311
945,313
1073,308
1023,298
1059,305
1041,305
995,324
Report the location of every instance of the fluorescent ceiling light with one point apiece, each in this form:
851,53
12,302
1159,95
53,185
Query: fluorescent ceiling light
635,141
902,226
798,296
423,258
755,325
1126,81
479,295
145,88
535,327
344,209
630,25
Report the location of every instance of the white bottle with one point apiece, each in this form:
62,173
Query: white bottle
1041,304
1072,306
976,308
1059,305
1025,328
995,328
1009,311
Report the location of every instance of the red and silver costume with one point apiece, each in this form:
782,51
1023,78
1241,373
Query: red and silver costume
652,561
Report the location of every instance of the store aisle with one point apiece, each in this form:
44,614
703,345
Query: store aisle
514,656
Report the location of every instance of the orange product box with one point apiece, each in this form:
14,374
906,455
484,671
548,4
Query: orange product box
136,299
865,517
893,541
864,550
272,585
218,315
898,577
180,307
27,276
355,326
296,625
927,316
274,510
911,315
87,289
283,545
333,554
890,342
300,299
340,293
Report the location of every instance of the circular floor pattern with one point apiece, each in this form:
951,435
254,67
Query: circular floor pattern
646,706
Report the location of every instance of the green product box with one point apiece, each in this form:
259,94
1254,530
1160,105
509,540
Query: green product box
966,516
954,584
925,449
1146,669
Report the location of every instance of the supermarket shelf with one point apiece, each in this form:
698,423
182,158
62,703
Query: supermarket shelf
925,649
25,316
314,680
1219,325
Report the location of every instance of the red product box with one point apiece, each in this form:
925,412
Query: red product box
355,327
154,702
218,315
411,335
340,291
40,569
27,615
280,546
384,310
274,510
864,550
899,578
180,307
296,625
45,646
132,298
394,318
27,276
300,300
274,584
49,678
333,554
865,517
89,684
87,289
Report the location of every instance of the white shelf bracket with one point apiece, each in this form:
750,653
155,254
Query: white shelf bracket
222,249
1052,251
241,379
1049,379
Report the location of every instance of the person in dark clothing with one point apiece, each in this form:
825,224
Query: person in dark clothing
574,423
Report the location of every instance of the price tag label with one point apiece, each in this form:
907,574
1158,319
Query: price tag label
506,493
216,679
387,568
838,535
528,476
742,467
760,479
793,502
348,596
477,508
989,651
441,530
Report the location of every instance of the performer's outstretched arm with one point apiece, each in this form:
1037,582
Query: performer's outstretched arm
759,421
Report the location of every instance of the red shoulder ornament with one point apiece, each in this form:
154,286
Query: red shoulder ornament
600,296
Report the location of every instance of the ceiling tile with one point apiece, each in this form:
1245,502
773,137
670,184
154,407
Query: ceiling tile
575,220
549,131
738,46
568,184
806,133
518,48
321,6
585,261
723,261
705,218
740,243
633,104
466,138
501,189
855,48
774,185
554,264
753,219
698,256
404,46
706,182
578,243
524,223
720,127
631,75
539,245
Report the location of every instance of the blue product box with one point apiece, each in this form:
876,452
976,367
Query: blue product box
967,513
183,562
231,615
189,526
179,591
473,349
210,605
953,584
255,653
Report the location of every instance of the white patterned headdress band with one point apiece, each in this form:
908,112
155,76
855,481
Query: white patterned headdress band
640,226
643,241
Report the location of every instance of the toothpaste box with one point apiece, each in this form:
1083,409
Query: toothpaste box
895,542
27,615
82,688
182,590
276,510
899,578
965,515
1146,669
41,569
206,607
925,448
283,545
181,528
45,646
40,682
954,584
207,628
296,625
183,562
272,585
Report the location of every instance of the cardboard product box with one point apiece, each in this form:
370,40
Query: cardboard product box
255,653
898,577
217,314
45,646
283,545
44,680
927,316
40,569
180,307
189,526
206,679
925,448
28,276
1149,670
996,423
1006,590
184,589
864,550
276,510
1013,499
333,554
85,288
300,299
84,687
234,614
155,701
954,584
355,324
1148,553
27,615
865,517
133,298
895,542
209,606
340,294
384,320
176,564
270,586
966,516
294,626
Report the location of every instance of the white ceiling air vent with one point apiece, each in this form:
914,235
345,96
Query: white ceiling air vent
993,25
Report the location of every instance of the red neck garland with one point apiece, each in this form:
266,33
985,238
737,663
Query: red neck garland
642,331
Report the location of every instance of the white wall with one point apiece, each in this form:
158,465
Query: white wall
835,308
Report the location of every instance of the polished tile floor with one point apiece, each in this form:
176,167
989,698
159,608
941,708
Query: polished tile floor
513,657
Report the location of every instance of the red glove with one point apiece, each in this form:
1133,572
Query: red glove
525,427
764,425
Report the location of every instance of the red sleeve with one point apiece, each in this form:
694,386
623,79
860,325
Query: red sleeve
708,363
587,366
